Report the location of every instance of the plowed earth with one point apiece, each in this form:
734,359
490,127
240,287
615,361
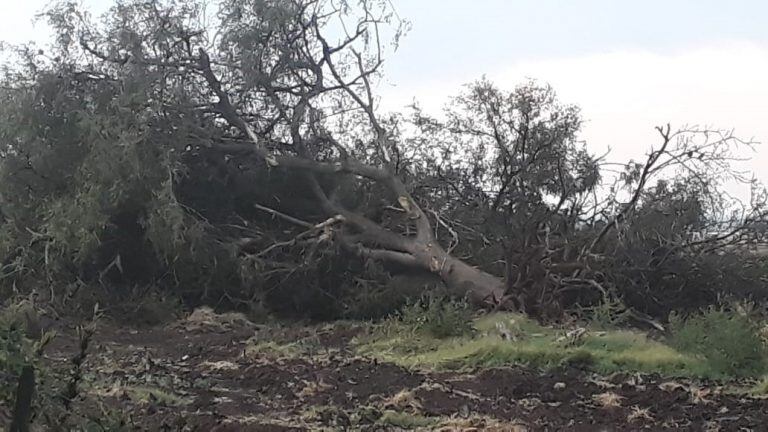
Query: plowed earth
204,378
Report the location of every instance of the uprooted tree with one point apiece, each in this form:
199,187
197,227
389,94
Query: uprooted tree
240,156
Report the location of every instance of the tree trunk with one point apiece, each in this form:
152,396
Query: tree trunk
22,412
481,288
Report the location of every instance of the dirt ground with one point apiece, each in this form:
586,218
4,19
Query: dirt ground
214,377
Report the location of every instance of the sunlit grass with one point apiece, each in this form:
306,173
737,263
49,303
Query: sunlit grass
506,339
145,394
406,421
760,389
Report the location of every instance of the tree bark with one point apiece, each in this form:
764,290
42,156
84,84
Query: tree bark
481,287
22,412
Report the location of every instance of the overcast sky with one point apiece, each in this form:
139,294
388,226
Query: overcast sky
630,65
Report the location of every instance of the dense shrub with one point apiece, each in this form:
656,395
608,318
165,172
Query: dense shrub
439,317
730,341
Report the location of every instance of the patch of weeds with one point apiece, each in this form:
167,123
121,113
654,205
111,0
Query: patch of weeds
313,388
206,318
271,349
53,394
760,389
22,343
146,394
15,350
406,421
639,414
366,415
535,346
729,341
608,400
438,317
324,414
477,422
108,420
608,314
310,345
525,327
404,400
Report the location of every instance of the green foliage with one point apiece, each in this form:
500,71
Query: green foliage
200,265
21,345
15,353
438,317
729,341
384,295
406,421
56,391
608,314
117,171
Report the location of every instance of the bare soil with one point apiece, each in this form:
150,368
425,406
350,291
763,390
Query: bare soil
177,378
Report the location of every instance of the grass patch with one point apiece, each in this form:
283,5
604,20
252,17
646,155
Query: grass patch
760,389
504,339
271,349
406,421
146,394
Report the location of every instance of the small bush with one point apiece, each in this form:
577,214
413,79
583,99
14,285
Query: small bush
438,317
55,391
15,351
21,345
377,300
729,341
608,314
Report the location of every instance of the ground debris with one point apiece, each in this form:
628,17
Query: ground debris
195,376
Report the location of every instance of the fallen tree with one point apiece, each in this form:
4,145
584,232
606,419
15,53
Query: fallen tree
244,156
274,93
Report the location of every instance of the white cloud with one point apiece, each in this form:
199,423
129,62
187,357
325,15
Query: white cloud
16,20
625,94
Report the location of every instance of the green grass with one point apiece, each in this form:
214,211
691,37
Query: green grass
760,389
272,349
405,420
536,346
148,394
